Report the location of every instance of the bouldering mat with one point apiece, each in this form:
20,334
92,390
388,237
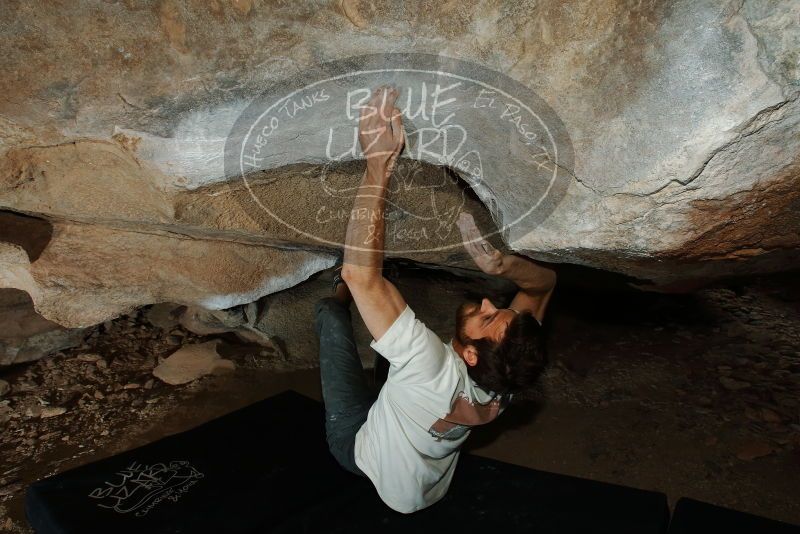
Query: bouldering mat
266,468
696,517
489,495
244,472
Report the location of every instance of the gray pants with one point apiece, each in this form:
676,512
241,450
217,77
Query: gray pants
345,391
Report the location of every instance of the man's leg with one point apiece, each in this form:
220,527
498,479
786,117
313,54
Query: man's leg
345,391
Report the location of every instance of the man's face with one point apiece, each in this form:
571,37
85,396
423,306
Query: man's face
483,320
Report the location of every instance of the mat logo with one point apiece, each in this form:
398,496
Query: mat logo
141,487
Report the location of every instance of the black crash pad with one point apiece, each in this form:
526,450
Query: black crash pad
266,468
696,517
487,495
244,472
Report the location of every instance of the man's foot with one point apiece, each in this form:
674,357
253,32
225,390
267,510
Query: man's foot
341,293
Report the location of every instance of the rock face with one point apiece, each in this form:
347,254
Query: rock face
26,335
672,142
192,362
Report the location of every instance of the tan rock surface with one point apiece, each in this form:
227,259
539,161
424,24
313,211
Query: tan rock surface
114,117
90,273
25,335
192,362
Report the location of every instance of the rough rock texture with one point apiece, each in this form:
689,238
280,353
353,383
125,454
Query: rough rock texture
191,362
239,320
163,315
90,273
683,117
26,335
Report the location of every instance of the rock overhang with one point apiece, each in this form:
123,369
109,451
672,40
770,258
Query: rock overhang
681,116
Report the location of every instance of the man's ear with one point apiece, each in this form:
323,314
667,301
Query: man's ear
471,355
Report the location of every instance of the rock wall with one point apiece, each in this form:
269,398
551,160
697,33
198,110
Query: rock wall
681,116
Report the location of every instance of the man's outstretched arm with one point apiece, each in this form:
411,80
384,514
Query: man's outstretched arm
381,139
536,282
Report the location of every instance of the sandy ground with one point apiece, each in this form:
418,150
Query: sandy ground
693,395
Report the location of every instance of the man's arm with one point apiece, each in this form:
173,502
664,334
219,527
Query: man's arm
381,138
536,282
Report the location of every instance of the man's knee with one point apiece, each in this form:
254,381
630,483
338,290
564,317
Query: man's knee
339,453
328,309
322,306
341,444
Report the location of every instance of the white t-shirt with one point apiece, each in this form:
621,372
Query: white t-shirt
409,445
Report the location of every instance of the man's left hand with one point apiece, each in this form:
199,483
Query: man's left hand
486,257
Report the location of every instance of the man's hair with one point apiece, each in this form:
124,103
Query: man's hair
513,364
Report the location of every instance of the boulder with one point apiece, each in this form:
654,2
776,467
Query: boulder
239,320
163,315
88,274
656,140
26,335
192,362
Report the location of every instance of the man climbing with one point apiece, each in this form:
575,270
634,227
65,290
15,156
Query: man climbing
406,439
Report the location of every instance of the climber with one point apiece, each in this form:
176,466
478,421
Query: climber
406,439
